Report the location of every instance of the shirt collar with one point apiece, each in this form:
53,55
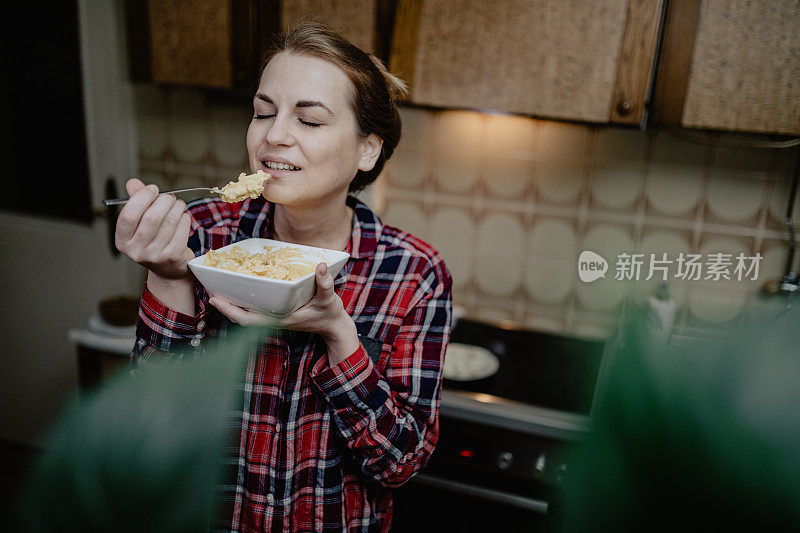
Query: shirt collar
366,230
367,226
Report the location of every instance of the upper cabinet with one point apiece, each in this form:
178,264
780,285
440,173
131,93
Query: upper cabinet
218,43
731,65
718,64
561,59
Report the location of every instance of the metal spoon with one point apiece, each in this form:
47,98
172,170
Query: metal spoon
120,201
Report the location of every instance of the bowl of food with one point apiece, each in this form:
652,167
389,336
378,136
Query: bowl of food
265,275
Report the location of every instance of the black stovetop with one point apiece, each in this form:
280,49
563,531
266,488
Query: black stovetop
536,368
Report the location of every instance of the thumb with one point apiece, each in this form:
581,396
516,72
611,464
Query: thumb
324,280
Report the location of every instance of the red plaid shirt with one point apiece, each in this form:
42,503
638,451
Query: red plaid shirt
320,447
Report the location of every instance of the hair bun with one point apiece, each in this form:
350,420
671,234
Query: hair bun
397,87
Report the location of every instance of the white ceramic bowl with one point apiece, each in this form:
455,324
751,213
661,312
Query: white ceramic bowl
270,296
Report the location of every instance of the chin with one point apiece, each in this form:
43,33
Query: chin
283,196
294,193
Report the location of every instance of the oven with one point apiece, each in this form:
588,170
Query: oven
505,444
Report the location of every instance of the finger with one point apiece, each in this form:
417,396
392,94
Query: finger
177,254
133,186
241,316
168,226
131,214
224,308
152,219
228,309
188,254
180,238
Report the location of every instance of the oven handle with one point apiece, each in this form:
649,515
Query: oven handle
529,504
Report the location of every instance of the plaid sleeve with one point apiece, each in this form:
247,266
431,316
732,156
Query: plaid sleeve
390,422
163,331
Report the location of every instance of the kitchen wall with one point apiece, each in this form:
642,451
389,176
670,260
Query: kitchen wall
511,202
52,276
54,272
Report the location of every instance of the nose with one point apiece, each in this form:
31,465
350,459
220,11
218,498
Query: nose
278,133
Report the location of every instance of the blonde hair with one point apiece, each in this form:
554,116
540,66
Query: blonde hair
376,90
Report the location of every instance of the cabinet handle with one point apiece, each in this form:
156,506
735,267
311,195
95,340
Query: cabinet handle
624,107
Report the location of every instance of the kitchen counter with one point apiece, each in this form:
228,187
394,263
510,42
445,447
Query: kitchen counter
115,345
102,350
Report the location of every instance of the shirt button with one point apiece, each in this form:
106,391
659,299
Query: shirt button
195,341
201,325
270,499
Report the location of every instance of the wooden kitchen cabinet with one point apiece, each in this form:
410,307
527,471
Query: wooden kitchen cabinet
218,43
560,59
730,65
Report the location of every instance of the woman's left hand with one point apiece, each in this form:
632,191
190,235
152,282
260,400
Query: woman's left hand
324,315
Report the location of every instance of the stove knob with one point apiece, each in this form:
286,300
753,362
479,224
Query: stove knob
505,460
498,347
538,467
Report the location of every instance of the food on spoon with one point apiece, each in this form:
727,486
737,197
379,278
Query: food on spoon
247,186
284,263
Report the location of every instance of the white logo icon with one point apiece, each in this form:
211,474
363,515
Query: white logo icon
591,266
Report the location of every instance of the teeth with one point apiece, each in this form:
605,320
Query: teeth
280,166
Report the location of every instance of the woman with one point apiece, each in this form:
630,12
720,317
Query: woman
343,397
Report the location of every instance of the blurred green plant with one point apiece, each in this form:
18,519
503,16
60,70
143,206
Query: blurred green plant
701,437
144,452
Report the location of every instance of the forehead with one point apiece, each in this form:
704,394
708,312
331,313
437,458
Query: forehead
291,77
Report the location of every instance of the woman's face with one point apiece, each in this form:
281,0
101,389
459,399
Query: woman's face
304,131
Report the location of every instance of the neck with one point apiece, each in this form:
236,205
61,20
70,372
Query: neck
326,226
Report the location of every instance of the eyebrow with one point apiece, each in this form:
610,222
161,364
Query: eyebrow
300,103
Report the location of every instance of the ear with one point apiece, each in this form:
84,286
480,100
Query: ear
370,151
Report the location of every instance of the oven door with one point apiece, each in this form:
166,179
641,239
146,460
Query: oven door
433,504
480,479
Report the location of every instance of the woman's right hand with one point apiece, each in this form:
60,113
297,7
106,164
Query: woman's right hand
153,231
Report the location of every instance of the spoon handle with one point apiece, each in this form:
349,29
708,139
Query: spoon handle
120,201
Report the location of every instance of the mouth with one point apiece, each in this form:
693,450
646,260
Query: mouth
279,165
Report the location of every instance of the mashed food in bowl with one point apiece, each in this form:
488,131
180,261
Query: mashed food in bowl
285,263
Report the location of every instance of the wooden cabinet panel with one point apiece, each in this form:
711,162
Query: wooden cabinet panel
636,62
355,19
218,43
191,46
562,59
731,65
214,44
746,67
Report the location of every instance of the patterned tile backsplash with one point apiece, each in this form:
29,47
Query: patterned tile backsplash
511,202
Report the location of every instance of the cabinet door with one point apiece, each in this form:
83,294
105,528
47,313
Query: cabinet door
731,65
191,46
203,43
218,43
355,19
564,59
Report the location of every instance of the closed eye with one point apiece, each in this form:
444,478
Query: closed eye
307,123
264,116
